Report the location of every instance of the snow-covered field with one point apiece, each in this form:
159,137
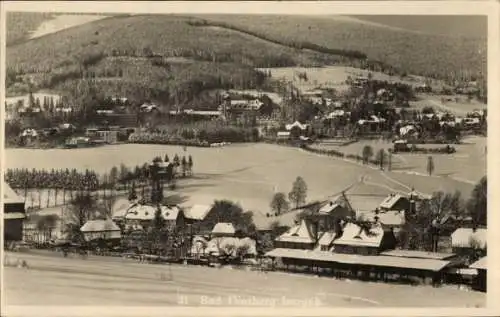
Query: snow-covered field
64,21
54,280
470,153
327,77
246,173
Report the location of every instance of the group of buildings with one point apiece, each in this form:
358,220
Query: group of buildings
326,242
329,243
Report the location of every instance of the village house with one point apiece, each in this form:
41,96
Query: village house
371,125
245,105
389,219
337,113
196,213
197,114
395,202
143,215
314,96
301,236
469,241
194,217
356,240
100,229
283,135
299,128
14,214
223,229
296,124
64,109
76,142
149,107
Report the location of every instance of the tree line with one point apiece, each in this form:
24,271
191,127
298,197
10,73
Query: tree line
302,45
66,181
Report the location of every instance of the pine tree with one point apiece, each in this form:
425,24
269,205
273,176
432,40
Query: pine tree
190,165
298,193
167,159
184,166
430,165
132,195
31,99
142,201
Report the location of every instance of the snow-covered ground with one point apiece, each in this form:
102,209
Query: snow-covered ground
51,279
64,21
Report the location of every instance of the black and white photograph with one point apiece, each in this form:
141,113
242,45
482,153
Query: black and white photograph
244,160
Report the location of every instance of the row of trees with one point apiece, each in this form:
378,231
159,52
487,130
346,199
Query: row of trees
382,158
66,181
197,136
48,103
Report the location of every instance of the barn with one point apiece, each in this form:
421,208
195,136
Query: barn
14,214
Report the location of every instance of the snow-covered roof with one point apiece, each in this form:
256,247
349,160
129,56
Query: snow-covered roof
301,234
283,133
224,228
10,196
296,124
390,201
353,235
336,113
99,226
327,238
198,212
29,132
147,212
480,264
329,207
462,237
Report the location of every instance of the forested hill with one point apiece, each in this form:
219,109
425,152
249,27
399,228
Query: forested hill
153,56
420,53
